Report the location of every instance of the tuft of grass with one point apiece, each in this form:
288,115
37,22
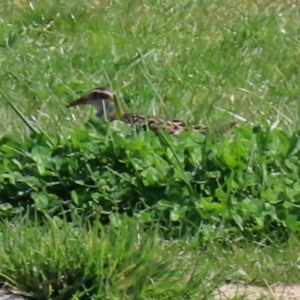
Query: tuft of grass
61,260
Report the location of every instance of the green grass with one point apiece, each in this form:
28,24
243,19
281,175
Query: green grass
81,261
59,260
180,59
201,62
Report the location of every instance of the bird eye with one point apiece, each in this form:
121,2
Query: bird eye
94,95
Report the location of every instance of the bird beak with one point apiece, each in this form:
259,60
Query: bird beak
80,101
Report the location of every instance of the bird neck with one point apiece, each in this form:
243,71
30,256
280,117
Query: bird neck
108,109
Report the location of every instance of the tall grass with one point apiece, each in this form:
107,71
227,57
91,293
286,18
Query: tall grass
196,61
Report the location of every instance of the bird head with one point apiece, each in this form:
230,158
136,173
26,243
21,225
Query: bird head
103,99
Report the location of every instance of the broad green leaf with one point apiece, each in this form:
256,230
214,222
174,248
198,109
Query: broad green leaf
230,161
41,200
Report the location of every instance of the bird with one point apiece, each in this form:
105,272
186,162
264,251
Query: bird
108,107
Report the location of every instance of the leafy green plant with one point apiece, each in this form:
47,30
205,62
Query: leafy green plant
248,184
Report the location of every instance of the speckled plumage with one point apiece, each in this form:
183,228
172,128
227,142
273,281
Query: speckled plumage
103,98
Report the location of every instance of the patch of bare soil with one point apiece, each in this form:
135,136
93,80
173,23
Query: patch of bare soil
250,292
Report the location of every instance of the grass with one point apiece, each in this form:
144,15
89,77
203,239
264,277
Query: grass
201,62
180,59
59,260
80,261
